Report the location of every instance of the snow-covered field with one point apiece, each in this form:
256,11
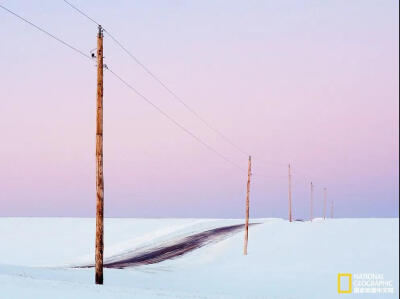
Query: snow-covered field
285,260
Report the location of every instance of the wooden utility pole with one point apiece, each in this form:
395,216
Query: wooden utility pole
311,201
324,203
290,196
246,232
332,209
99,163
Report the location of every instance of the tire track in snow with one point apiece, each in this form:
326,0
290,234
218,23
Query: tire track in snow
173,249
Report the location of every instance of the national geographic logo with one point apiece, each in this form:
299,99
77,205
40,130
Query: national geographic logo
364,283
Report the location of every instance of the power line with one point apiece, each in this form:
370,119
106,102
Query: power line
173,120
169,90
128,85
81,12
166,87
206,123
45,32
155,77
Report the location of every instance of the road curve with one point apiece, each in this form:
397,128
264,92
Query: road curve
173,249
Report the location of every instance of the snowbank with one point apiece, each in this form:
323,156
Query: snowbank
285,260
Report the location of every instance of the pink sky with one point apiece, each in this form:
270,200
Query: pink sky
314,84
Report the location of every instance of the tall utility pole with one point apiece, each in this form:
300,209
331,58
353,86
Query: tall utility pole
324,203
332,209
246,233
311,201
290,196
99,163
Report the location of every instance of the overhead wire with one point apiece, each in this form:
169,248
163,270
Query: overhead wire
81,12
46,32
179,125
129,85
174,94
168,89
170,118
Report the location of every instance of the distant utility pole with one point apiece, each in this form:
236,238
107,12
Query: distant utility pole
246,233
332,209
99,163
324,203
311,201
290,196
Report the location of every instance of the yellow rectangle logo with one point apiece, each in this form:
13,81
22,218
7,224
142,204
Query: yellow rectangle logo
340,291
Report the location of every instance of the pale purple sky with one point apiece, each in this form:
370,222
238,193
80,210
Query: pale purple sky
313,83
